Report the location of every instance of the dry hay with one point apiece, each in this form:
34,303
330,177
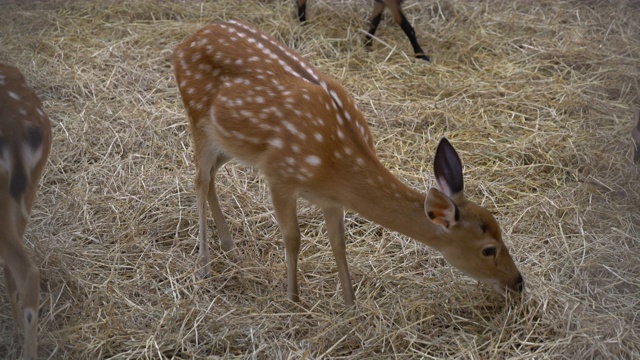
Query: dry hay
536,96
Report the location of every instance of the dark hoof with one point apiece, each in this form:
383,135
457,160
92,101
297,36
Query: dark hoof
423,57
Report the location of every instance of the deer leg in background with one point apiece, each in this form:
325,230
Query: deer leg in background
378,8
302,10
400,19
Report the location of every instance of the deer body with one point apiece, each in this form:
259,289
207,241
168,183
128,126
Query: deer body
395,6
250,98
25,141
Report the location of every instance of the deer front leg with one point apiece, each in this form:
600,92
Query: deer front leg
226,242
203,179
12,293
378,8
23,286
334,218
30,288
284,205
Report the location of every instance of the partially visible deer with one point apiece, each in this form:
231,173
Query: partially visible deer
25,142
250,98
395,6
635,134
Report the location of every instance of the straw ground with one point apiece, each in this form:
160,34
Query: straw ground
536,96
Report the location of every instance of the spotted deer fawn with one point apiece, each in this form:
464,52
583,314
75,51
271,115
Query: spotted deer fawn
395,6
25,142
251,98
635,134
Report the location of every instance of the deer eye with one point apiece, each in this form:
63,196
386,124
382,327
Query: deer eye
490,251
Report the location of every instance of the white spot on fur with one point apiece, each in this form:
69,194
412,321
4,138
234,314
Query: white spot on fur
313,160
335,97
276,142
204,67
293,130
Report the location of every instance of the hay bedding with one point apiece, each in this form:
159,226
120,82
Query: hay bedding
536,96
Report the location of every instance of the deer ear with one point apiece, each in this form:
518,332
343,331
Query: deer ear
448,169
441,209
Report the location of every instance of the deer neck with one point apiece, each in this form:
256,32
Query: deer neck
381,197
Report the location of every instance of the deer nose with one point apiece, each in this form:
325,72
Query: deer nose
519,285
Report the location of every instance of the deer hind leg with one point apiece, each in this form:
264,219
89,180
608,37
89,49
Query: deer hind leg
23,286
400,19
284,205
334,218
302,10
